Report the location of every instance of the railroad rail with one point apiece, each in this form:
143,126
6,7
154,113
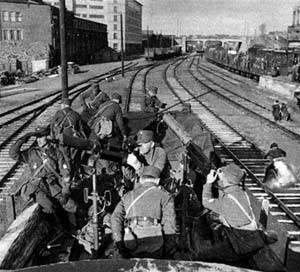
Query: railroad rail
232,146
255,109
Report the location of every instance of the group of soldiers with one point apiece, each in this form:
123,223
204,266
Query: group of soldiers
143,220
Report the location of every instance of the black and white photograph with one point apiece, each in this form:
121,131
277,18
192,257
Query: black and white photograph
150,135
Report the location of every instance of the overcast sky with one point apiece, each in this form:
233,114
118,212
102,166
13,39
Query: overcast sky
216,16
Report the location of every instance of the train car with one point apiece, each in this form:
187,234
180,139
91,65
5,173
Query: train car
159,53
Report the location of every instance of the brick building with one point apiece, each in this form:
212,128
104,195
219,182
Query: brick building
108,12
30,31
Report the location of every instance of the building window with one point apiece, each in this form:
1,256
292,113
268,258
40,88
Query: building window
5,35
19,16
98,16
5,16
115,18
115,27
83,15
115,9
12,16
19,35
81,6
96,7
11,34
115,46
115,36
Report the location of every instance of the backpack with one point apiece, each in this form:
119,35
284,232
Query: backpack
102,126
59,126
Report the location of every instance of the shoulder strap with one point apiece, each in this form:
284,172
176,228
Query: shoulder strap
242,208
134,201
46,164
103,108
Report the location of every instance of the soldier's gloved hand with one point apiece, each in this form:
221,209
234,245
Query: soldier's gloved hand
133,161
163,105
121,250
212,176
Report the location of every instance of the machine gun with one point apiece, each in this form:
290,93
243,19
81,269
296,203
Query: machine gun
91,234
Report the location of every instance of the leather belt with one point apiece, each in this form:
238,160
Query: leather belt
142,219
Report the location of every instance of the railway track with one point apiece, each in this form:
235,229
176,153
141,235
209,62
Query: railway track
232,146
227,76
18,121
254,108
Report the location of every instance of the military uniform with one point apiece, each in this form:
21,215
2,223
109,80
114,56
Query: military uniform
68,122
155,156
274,153
149,214
112,111
152,103
95,98
47,166
276,111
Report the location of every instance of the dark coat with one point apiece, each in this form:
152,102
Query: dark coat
93,101
112,111
153,104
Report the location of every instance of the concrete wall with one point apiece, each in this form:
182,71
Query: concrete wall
283,88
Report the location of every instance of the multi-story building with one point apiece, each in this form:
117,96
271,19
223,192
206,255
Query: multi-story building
108,12
294,29
29,30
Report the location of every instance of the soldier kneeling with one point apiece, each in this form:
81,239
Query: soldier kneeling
148,214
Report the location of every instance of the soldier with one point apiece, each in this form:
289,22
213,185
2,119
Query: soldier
234,215
49,180
149,153
68,122
276,111
285,115
108,121
148,214
152,103
96,97
275,152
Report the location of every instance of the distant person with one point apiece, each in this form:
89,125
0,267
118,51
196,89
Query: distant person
285,115
152,103
276,111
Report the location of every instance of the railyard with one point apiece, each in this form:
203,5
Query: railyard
229,106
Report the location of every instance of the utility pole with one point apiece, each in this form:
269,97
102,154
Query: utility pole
122,47
147,41
63,57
